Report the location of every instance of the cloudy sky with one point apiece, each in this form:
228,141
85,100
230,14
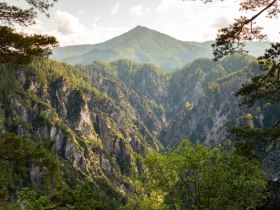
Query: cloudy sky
94,21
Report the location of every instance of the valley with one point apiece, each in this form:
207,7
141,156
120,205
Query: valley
144,45
100,119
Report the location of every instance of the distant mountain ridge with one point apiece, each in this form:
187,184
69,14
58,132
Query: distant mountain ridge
143,45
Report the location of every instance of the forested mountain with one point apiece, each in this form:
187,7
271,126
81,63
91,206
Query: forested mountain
94,138
139,44
198,100
144,45
100,120
142,121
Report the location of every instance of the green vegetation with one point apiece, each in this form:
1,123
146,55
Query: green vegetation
87,129
198,177
264,86
140,44
214,87
34,153
87,135
19,47
17,155
144,45
29,199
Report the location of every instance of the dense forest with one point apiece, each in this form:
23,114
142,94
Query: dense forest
121,134
105,130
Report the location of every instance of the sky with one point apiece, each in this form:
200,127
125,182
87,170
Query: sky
93,21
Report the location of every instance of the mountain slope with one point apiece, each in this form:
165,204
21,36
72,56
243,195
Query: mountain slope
103,118
140,44
144,45
198,100
82,116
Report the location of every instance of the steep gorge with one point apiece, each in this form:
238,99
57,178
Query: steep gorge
104,117
197,102
102,139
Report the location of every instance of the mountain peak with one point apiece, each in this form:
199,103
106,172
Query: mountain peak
139,27
145,36
141,30
144,45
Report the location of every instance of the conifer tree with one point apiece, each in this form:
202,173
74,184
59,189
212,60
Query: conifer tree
16,47
231,39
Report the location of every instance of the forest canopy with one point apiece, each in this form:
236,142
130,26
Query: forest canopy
198,177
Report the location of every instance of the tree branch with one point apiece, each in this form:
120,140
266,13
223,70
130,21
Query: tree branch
260,12
228,39
12,14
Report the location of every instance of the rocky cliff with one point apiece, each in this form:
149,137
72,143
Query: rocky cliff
98,126
104,117
197,102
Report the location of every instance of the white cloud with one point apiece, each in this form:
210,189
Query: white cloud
269,28
185,20
193,20
69,30
138,10
167,6
163,6
220,22
96,19
36,28
206,36
115,8
81,11
91,35
68,23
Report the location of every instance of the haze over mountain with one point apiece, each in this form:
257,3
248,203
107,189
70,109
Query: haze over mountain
143,45
139,44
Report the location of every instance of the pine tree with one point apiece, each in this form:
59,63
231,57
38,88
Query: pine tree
16,47
231,39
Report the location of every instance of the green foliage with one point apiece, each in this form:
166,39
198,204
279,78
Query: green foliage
214,87
198,177
144,202
81,198
247,139
18,47
16,155
246,120
266,85
24,47
31,200
7,81
140,44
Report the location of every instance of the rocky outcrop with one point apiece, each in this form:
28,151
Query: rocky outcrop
196,102
209,115
103,118
100,133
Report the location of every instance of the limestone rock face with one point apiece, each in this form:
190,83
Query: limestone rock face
98,126
103,118
197,102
